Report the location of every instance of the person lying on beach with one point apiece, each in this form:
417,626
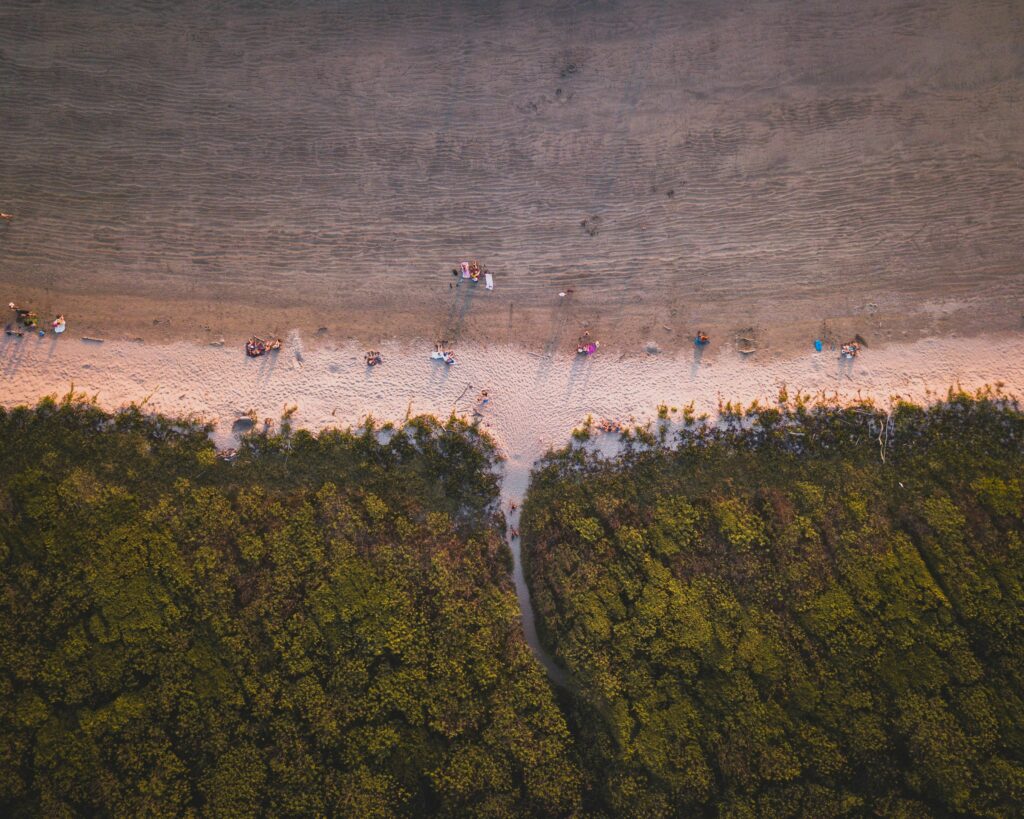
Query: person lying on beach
25,317
7,217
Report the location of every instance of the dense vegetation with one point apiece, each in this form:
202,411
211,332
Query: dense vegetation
772,620
324,626
799,612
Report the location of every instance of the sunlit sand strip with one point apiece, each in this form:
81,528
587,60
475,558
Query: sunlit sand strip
535,401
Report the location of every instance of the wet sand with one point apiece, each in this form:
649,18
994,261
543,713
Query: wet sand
198,171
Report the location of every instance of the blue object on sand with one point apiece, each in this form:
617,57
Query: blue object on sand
817,345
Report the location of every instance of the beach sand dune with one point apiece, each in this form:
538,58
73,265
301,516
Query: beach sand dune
202,168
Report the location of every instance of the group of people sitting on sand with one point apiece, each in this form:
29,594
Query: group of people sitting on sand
470,270
373,358
585,345
441,354
849,350
25,319
256,346
608,425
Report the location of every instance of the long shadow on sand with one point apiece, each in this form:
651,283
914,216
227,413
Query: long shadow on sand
559,320
459,309
13,353
698,357
845,367
266,366
440,372
579,375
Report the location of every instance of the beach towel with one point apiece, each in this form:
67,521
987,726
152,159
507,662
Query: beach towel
490,281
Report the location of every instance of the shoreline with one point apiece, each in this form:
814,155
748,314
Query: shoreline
543,322
536,400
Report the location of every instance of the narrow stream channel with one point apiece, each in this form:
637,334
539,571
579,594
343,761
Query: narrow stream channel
514,483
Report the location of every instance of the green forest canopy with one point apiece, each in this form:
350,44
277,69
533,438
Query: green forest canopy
325,626
770,621
767,620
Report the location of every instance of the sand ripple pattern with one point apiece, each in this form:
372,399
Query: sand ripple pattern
339,154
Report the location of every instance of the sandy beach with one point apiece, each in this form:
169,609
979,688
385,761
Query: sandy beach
536,399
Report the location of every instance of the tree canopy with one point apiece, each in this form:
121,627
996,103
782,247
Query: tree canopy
798,612
322,626
770,620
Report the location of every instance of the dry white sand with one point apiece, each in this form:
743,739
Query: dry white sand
536,400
